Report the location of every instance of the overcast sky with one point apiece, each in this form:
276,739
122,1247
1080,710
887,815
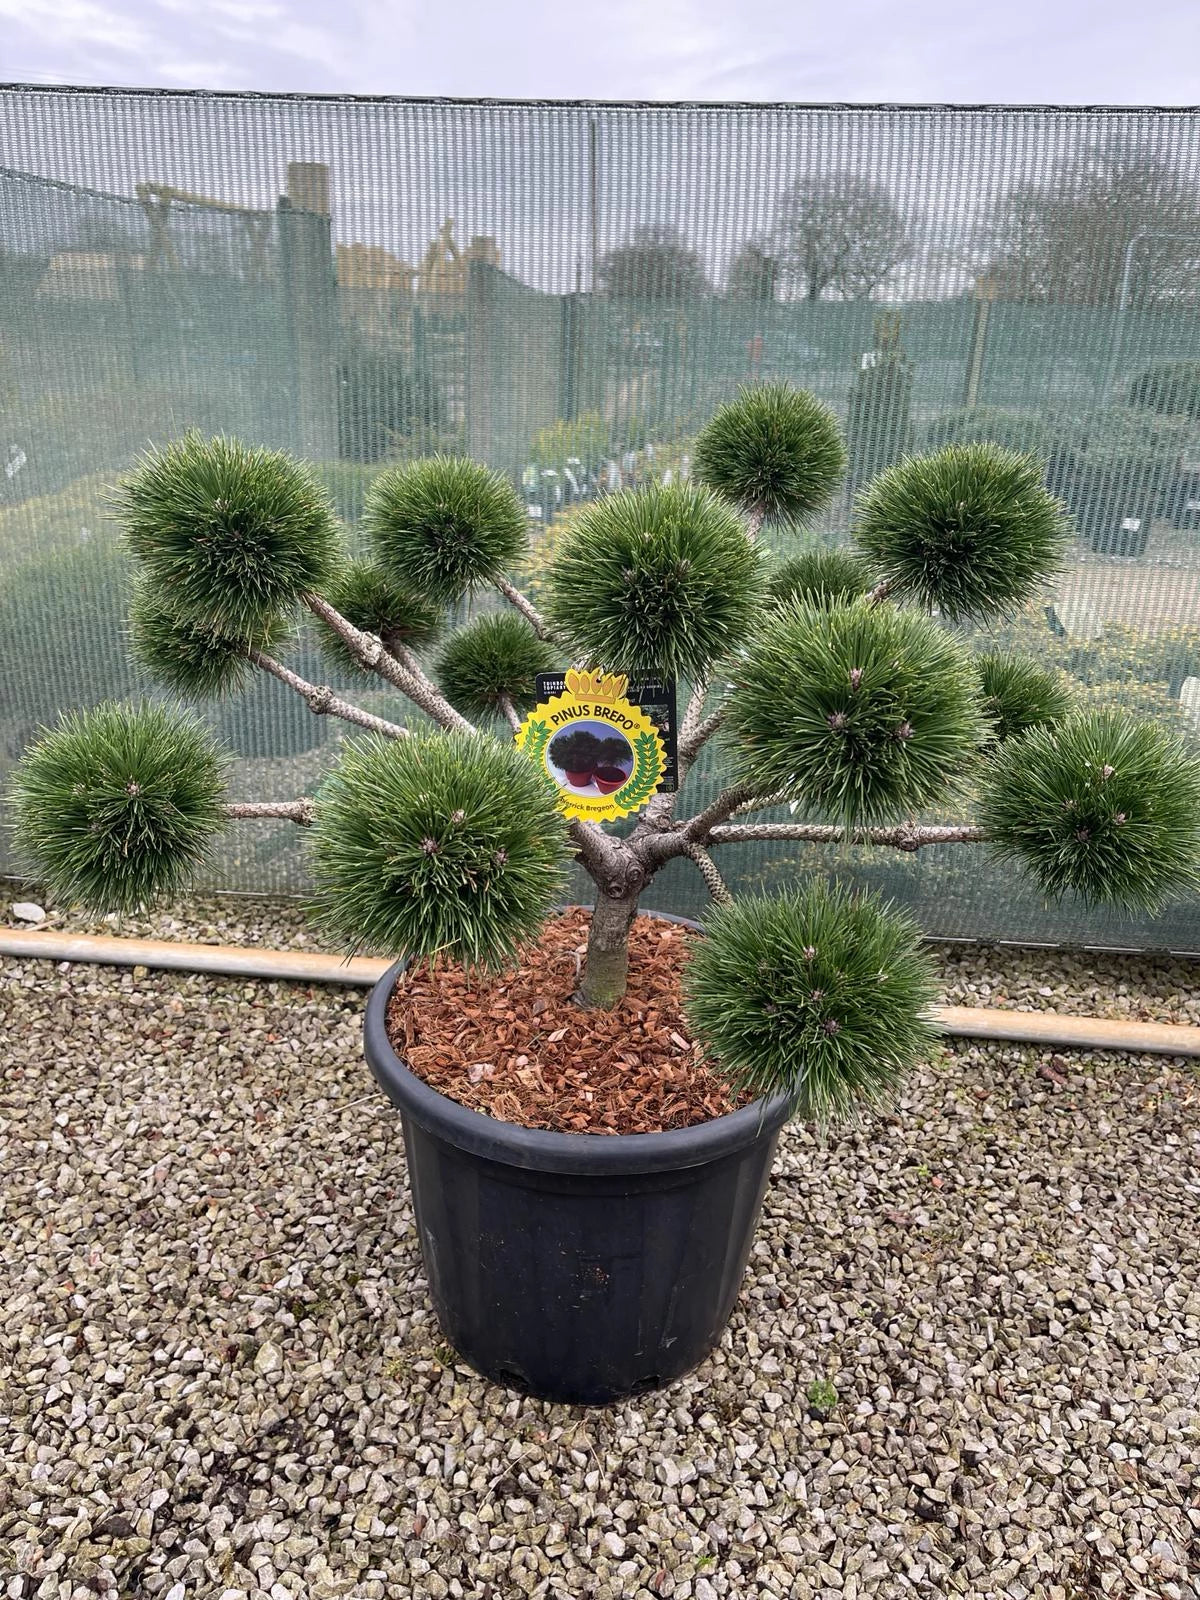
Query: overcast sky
1041,51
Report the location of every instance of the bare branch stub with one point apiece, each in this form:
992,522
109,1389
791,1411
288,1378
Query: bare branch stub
303,811
405,675
524,605
322,701
509,712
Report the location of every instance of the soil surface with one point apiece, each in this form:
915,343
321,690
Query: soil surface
515,1045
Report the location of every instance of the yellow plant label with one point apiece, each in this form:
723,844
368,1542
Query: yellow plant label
601,750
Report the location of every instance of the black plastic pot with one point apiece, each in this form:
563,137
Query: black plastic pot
577,1267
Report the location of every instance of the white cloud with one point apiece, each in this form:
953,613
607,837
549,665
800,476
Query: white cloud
77,22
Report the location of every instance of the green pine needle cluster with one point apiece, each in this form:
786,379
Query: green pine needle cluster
817,993
445,844
659,580
970,530
444,524
375,601
192,656
1105,806
860,713
1018,694
821,574
774,449
234,535
494,657
119,805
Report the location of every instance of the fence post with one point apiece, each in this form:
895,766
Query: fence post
481,294
985,294
572,356
310,300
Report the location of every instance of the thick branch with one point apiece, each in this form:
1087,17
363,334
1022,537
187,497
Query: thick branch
720,810
759,802
695,710
405,675
612,863
880,592
322,700
509,712
302,812
903,836
525,606
694,732
710,873
755,517
692,743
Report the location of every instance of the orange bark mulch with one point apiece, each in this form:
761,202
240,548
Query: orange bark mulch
515,1045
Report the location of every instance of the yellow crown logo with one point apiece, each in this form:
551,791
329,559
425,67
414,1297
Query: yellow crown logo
606,687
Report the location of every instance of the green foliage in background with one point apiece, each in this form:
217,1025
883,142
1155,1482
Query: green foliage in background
584,438
1122,666
382,399
1171,389
62,632
879,428
1027,432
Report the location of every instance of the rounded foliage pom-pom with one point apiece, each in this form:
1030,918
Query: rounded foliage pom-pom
443,524
971,529
821,574
817,993
234,535
655,580
192,656
118,805
1019,694
494,658
1106,806
774,449
862,713
444,844
375,601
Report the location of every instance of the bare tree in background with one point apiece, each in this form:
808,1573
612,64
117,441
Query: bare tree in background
658,263
841,235
1066,237
753,273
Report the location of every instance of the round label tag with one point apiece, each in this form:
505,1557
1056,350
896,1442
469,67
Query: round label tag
604,753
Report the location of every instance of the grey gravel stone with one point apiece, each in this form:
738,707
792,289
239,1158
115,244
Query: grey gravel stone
999,1278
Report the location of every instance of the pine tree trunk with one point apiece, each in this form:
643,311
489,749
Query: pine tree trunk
606,966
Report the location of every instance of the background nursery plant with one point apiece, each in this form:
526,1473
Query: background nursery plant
835,684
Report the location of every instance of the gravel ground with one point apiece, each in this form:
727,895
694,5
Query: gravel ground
1147,988
219,1376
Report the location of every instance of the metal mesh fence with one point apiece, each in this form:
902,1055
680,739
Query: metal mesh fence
566,291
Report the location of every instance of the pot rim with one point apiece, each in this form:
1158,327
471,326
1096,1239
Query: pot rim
539,1150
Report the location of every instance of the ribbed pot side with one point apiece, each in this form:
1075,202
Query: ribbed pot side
577,1267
